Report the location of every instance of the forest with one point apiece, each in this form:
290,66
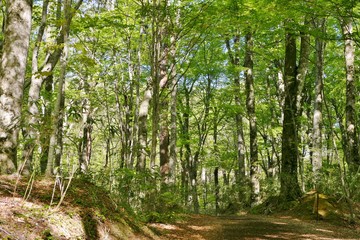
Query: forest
167,108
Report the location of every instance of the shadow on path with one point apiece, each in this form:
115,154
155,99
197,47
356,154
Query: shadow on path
202,227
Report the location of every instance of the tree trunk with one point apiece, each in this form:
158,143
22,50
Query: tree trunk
185,133
12,74
317,117
290,189
352,145
240,173
216,170
143,114
155,80
250,105
193,181
217,190
85,144
280,89
56,143
29,134
38,77
45,134
173,109
164,109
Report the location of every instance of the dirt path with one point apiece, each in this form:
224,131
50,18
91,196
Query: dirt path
199,227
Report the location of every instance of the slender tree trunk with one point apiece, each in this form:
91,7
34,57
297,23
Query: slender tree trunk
39,75
193,181
135,103
136,129
173,132
173,109
129,106
143,114
240,174
188,153
56,139
12,74
185,133
352,142
250,105
216,170
30,135
155,82
302,68
217,190
301,89
204,181
272,154
85,144
280,89
45,134
164,109
56,143
202,135
317,117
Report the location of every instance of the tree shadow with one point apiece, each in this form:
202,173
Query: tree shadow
256,228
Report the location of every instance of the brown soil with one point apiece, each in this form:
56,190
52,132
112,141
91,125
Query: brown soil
89,213
199,227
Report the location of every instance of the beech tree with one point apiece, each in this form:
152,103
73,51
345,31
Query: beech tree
352,145
12,75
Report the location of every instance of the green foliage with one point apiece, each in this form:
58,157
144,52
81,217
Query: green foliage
46,234
110,65
167,208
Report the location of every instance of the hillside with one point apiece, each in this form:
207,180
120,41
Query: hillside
87,212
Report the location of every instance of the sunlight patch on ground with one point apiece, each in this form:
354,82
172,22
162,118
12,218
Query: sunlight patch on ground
280,223
273,236
313,236
166,226
201,228
289,234
324,230
187,237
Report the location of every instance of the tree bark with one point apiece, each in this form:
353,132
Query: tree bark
30,135
290,189
185,135
12,74
143,114
39,75
216,170
250,105
240,173
317,117
155,82
352,142
173,108
85,144
164,101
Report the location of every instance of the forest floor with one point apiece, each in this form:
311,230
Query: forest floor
204,227
30,212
